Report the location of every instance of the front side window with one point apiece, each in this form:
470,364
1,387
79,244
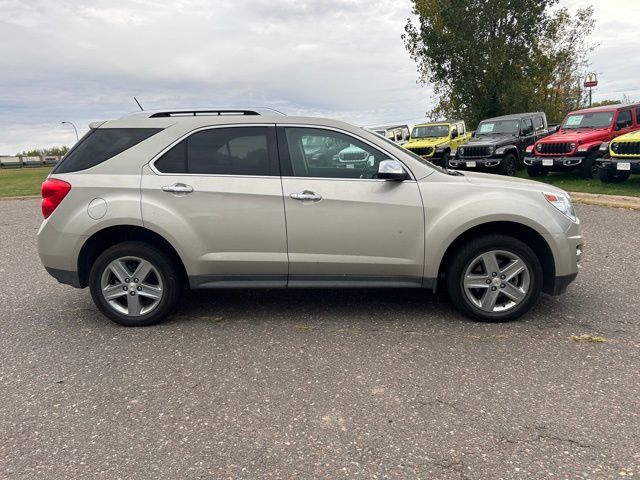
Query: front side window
624,119
337,156
527,125
220,151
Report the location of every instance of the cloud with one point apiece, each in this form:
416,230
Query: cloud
81,61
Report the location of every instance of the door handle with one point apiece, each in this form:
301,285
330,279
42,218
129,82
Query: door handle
177,188
306,196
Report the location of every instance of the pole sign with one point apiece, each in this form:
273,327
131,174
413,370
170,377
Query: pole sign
590,80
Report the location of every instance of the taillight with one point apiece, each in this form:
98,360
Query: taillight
53,192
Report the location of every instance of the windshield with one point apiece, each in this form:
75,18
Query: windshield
430,131
502,126
588,120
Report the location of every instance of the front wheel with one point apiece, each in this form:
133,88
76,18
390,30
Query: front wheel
134,284
607,175
494,278
589,169
508,165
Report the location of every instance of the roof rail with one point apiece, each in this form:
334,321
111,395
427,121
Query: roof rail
188,112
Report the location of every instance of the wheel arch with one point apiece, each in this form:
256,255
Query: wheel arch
524,233
99,241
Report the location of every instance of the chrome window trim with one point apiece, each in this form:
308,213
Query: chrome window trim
294,125
350,134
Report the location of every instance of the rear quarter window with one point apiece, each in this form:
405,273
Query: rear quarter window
100,145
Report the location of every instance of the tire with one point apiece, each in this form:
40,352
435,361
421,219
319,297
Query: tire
607,175
444,161
536,171
588,169
508,165
469,260
134,302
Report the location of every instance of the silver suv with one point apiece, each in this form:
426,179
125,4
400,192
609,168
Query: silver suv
146,205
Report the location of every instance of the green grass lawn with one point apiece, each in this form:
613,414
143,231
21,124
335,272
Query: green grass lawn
26,181
572,182
15,182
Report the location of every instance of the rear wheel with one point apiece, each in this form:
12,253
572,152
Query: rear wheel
607,175
589,169
134,284
494,278
536,171
508,165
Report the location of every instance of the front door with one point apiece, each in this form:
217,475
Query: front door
345,226
217,197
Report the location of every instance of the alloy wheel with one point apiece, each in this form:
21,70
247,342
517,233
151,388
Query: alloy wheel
132,286
496,281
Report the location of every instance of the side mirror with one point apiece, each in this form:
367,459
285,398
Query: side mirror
454,134
391,170
619,126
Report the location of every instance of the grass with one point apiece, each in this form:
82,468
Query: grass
572,182
26,181
17,182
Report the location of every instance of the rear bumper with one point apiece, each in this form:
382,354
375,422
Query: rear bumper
555,163
65,276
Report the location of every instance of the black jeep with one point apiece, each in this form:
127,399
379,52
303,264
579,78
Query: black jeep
498,145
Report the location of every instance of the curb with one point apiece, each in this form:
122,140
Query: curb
25,197
611,201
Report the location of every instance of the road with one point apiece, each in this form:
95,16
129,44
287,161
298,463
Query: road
321,384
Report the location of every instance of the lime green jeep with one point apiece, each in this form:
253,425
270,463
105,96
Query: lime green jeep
437,141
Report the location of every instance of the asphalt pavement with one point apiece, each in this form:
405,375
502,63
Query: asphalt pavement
322,383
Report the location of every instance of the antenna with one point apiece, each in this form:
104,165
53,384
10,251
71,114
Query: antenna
141,109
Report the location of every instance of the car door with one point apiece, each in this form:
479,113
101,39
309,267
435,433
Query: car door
528,136
623,123
345,226
216,195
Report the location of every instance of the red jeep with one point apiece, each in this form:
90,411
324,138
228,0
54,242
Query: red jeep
575,145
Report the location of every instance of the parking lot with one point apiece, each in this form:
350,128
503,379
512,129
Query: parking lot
322,383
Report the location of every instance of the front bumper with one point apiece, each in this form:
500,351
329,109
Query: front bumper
555,163
475,163
631,165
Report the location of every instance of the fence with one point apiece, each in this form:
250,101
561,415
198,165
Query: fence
22,161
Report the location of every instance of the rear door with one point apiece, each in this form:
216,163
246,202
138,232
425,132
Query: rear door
528,136
216,196
345,226
623,123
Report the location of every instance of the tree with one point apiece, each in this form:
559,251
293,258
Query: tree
606,102
36,152
491,57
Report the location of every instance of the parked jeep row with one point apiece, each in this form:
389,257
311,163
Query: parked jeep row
583,142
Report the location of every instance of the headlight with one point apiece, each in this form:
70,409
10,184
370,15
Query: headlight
614,147
604,146
562,203
572,146
461,149
539,147
491,149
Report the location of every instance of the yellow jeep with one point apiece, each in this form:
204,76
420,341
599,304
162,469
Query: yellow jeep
620,158
437,141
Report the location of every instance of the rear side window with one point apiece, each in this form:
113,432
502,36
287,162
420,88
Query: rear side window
101,144
220,151
624,119
539,123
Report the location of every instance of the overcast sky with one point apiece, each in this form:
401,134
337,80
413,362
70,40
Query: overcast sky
69,60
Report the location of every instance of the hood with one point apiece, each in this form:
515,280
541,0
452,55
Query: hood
426,142
581,135
502,182
495,139
629,137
